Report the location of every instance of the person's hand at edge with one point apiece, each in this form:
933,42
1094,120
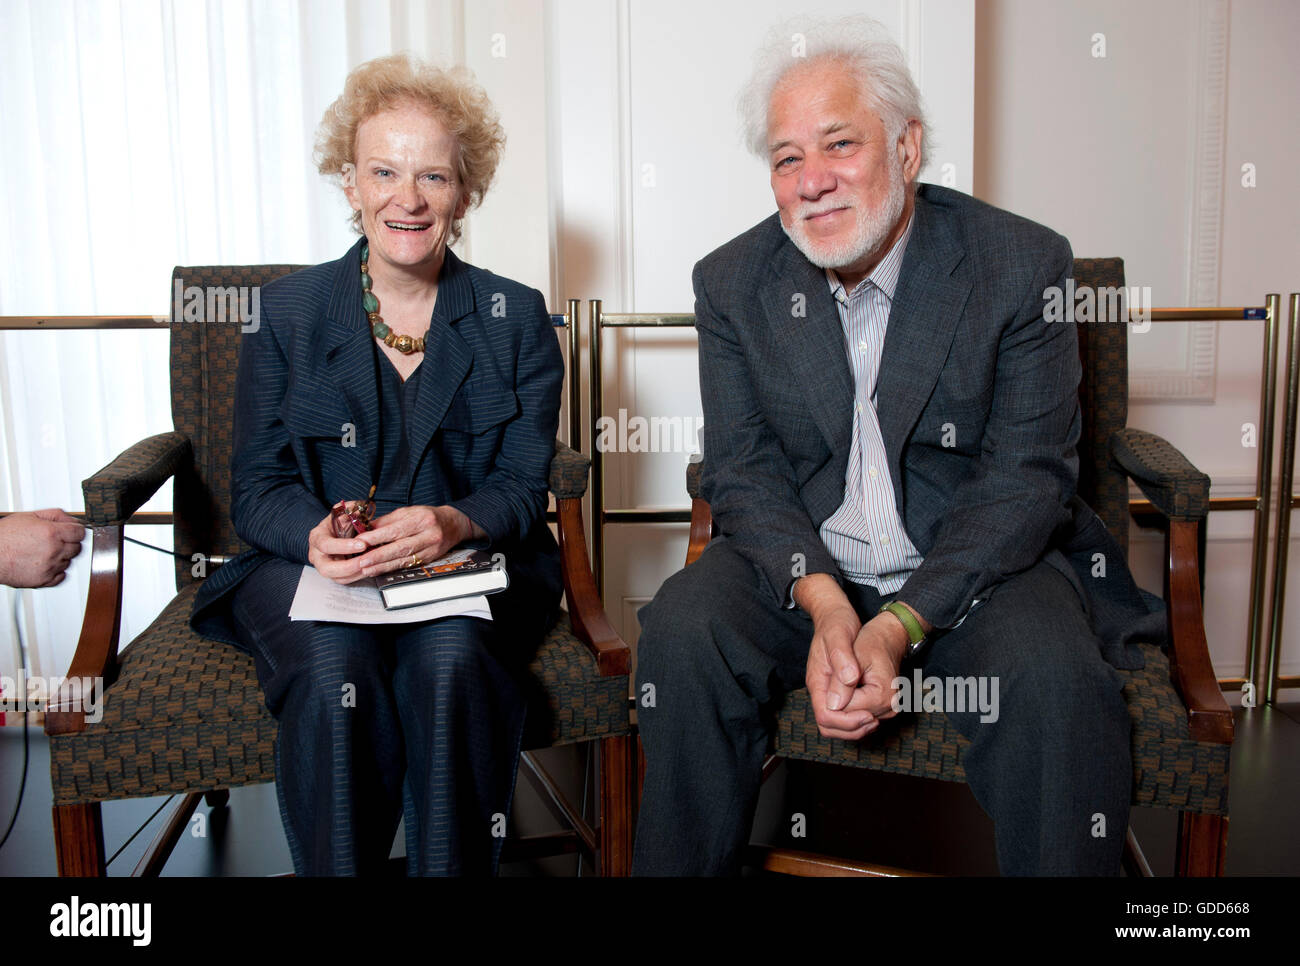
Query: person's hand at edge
36,547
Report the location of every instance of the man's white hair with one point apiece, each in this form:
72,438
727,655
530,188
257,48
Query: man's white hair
861,45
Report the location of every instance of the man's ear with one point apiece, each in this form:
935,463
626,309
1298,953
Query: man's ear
909,150
349,172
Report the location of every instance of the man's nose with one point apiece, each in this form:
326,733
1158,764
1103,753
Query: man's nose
816,178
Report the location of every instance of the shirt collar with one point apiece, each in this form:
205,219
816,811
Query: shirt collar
884,276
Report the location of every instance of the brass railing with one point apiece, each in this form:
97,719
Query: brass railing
1262,655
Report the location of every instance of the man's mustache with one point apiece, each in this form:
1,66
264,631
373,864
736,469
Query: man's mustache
806,211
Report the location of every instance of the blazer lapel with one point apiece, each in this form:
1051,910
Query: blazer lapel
927,306
813,341
447,355
350,366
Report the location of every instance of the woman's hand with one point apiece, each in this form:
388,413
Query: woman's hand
334,557
410,533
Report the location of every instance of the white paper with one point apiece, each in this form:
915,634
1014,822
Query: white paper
321,599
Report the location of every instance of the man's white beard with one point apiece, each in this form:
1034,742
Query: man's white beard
873,226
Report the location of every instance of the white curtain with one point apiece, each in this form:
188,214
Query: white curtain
143,135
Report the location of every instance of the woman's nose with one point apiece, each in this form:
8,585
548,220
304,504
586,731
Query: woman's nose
409,197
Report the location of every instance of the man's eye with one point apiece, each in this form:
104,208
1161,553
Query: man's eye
842,143
382,172
785,162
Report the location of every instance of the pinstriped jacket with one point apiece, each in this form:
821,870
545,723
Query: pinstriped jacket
978,408
306,430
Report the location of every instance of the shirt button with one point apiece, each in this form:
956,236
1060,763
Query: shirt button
873,472
884,541
862,345
858,407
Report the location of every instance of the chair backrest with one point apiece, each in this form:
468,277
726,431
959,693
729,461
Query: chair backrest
1103,394
212,306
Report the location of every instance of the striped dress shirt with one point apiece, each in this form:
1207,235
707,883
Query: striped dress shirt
865,535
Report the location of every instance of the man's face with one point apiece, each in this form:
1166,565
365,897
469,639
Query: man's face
841,182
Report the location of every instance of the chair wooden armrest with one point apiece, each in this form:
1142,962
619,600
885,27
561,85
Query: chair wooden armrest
1208,716
701,529
1180,493
587,615
124,485
701,515
112,495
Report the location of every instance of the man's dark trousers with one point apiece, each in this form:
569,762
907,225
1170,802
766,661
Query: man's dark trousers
720,653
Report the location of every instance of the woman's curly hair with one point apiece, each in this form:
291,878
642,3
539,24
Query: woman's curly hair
452,96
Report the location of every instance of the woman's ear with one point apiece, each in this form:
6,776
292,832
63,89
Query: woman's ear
349,172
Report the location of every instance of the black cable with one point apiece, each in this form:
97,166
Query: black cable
170,553
22,785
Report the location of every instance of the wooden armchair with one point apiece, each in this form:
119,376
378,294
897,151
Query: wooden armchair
183,714
1182,726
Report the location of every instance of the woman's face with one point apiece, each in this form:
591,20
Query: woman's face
404,184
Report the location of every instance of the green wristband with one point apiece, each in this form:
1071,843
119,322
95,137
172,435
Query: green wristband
915,634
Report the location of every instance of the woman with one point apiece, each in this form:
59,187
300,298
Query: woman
403,368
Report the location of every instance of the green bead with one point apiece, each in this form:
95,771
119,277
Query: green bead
369,301
365,251
366,283
381,330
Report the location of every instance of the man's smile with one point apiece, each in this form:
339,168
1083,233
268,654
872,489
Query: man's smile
824,215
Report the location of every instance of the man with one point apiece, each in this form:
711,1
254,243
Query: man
36,547
888,421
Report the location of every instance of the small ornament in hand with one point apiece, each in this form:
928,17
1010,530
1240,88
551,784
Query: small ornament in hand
354,516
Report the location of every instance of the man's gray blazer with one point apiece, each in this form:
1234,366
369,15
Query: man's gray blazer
977,399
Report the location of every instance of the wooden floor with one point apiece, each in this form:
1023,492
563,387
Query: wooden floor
912,823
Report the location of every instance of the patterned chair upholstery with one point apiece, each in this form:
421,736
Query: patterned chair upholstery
1182,727
184,714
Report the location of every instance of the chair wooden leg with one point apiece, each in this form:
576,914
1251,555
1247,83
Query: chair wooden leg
217,798
155,857
1134,859
79,840
1202,844
618,774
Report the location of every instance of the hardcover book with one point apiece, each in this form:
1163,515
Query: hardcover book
462,573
